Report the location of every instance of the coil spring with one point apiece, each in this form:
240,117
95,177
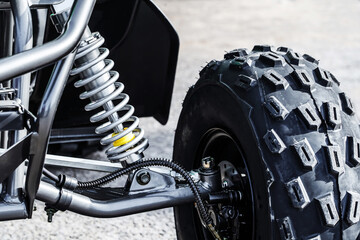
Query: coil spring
92,71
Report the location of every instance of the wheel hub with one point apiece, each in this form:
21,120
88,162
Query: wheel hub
233,215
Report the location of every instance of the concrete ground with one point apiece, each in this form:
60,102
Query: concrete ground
328,30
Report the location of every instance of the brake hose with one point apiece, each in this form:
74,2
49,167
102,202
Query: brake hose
50,175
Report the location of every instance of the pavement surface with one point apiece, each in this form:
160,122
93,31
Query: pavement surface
328,30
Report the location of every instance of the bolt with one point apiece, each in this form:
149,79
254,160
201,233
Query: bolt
231,213
208,163
143,178
50,213
225,184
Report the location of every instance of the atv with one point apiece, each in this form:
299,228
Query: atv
267,145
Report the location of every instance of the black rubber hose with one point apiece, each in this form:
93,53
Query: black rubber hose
50,175
153,162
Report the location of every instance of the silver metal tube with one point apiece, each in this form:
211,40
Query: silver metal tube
45,118
11,211
6,48
81,163
23,41
48,193
52,51
6,36
122,206
23,25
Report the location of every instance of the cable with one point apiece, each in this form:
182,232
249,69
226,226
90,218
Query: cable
50,175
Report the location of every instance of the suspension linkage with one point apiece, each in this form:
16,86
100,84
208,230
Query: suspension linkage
160,191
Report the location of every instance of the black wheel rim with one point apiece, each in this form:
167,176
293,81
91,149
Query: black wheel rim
220,145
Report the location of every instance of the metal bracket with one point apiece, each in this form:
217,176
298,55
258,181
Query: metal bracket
7,92
156,181
14,116
11,104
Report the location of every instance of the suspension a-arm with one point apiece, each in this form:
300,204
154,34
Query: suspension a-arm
160,191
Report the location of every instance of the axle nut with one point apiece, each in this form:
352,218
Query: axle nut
208,163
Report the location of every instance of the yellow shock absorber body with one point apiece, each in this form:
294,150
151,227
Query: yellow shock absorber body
124,140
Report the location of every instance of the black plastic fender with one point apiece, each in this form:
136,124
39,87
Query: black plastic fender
144,47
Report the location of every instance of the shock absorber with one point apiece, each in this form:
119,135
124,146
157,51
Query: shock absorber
125,139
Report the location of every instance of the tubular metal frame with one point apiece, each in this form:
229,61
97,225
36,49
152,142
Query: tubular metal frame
53,51
22,62
23,39
61,51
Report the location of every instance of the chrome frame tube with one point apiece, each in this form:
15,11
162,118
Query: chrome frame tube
52,160
45,117
6,37
11,207
11,211
81,163
52,51
6,31
23,39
